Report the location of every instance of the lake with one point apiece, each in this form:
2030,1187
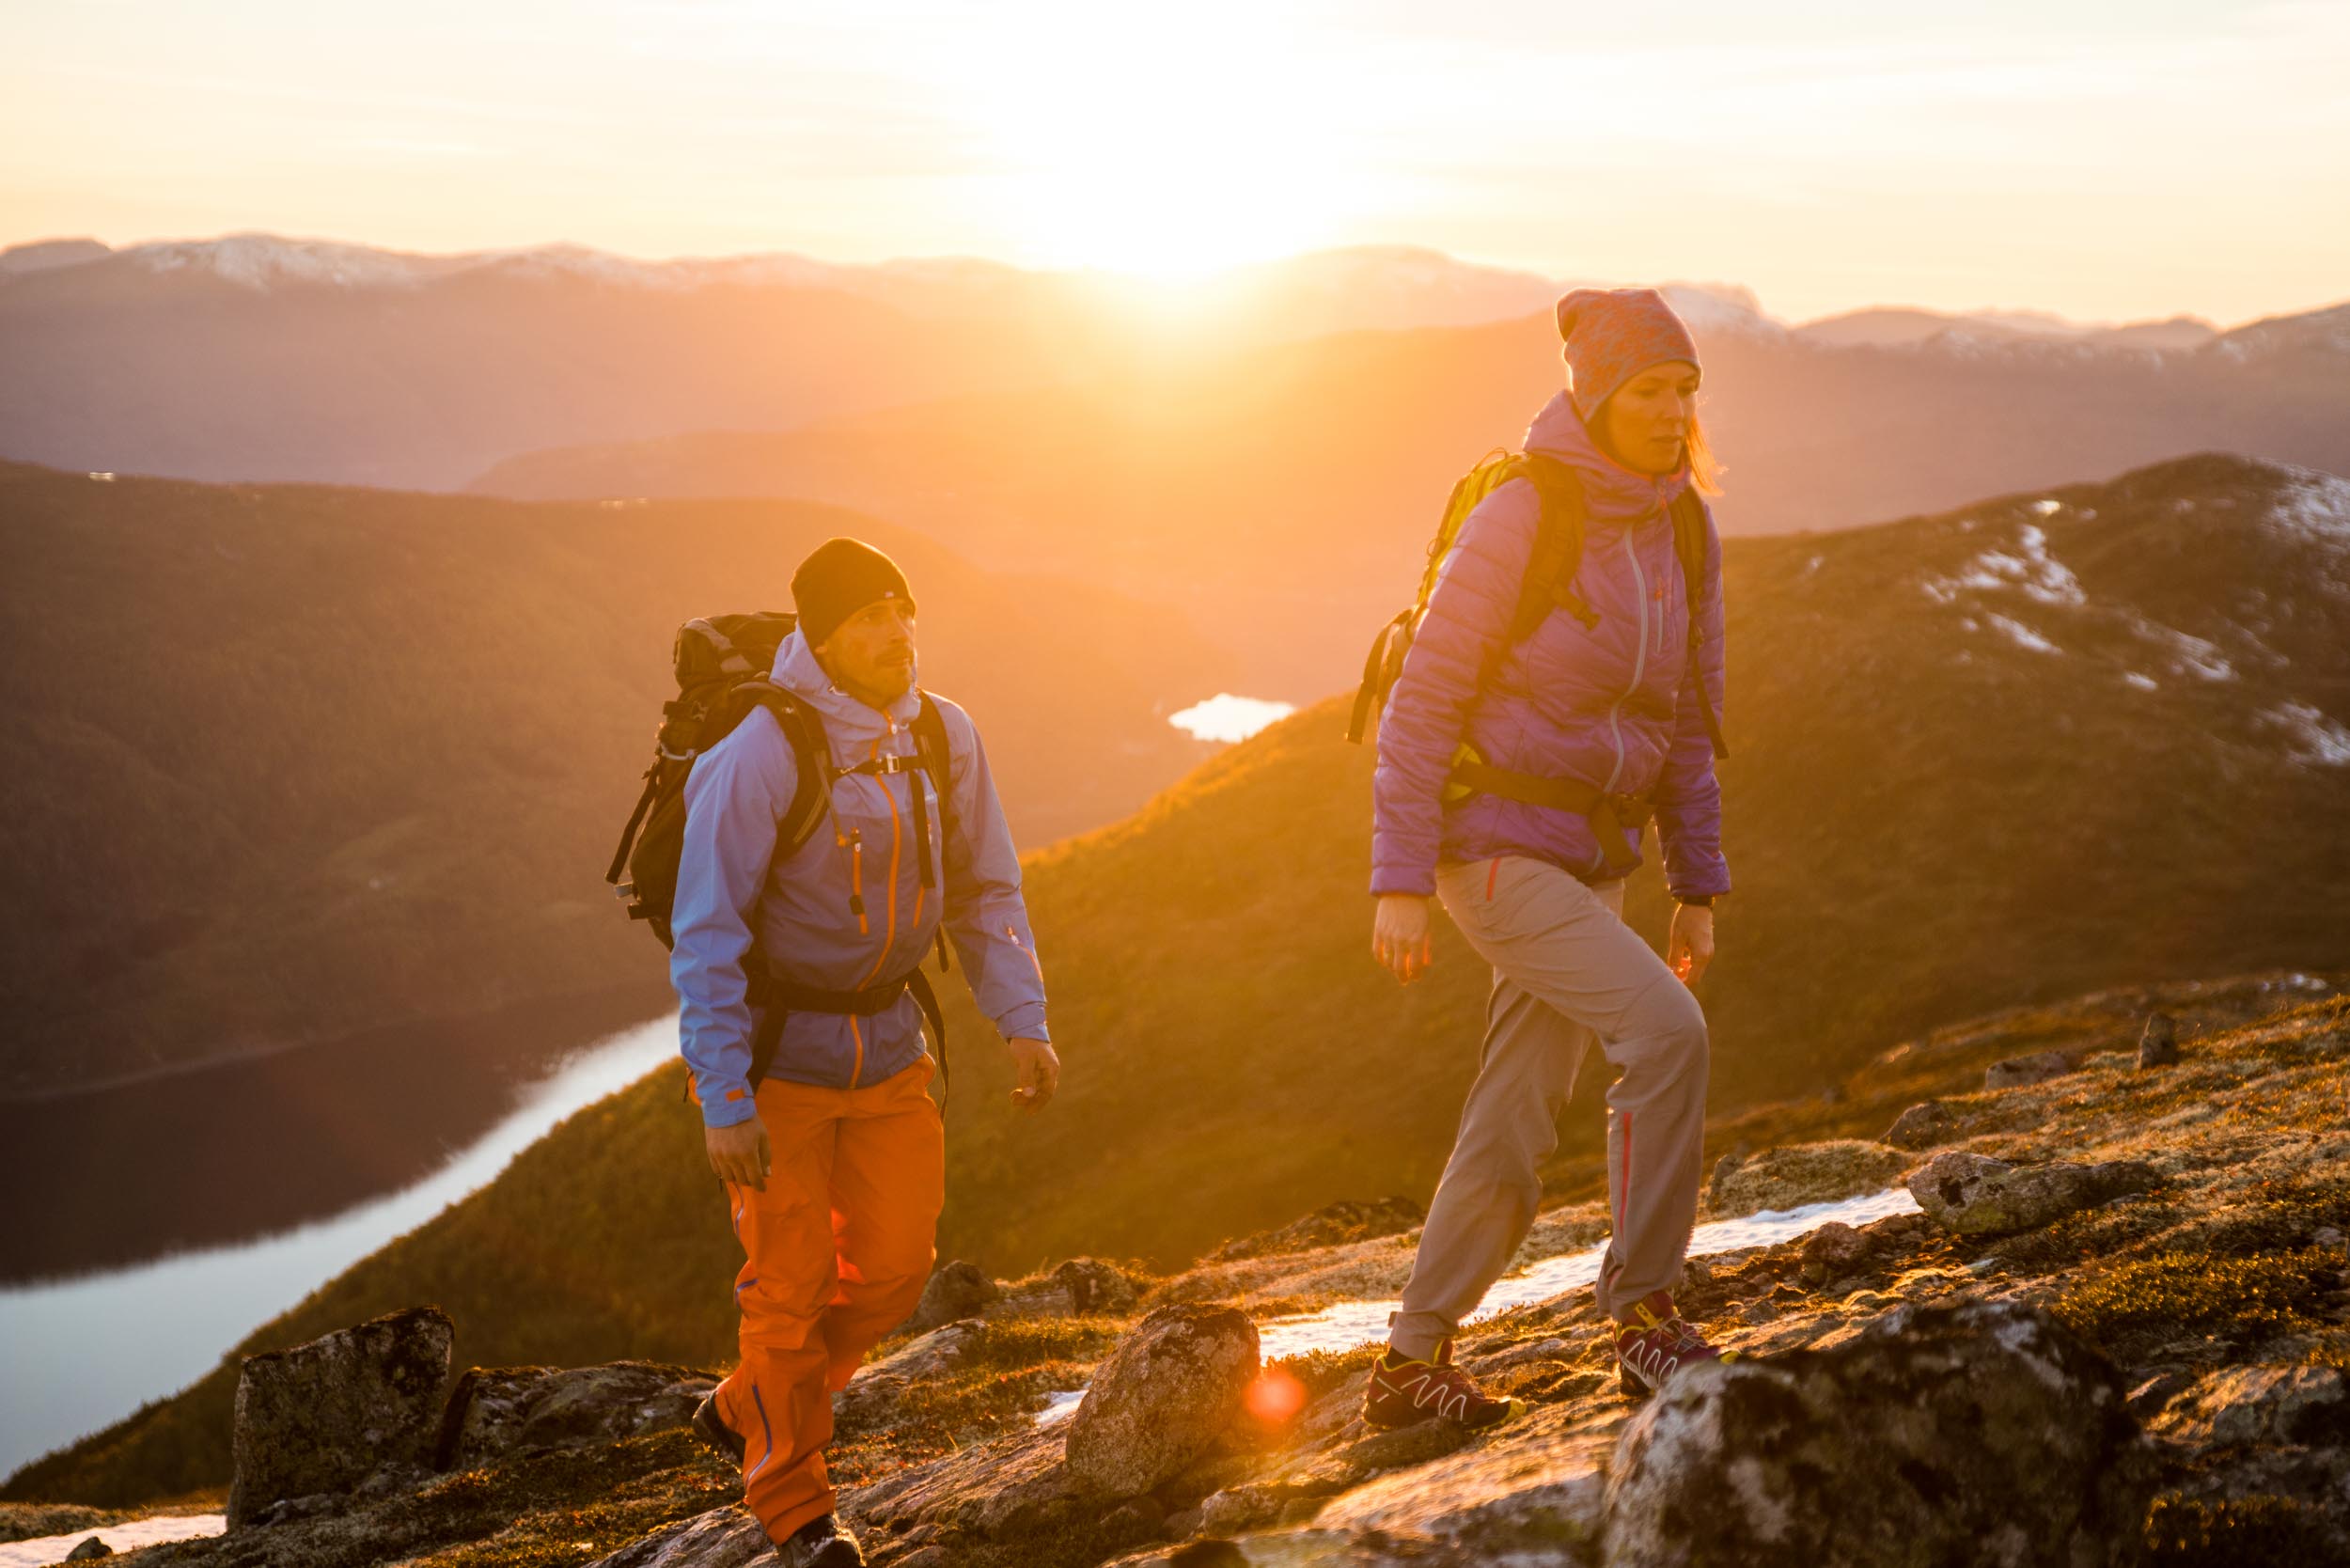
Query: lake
83,1353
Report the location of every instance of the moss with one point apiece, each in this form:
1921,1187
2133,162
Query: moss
1322,1371
2146,1302
2236,1532
1009,1344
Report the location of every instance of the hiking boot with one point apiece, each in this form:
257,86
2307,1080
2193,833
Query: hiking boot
820,1544
1658,1342
713,1430
1403,1392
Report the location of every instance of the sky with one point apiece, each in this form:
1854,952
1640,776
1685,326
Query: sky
2108,160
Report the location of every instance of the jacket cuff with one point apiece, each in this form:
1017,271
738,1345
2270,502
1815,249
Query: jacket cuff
1712,885
729,1108
1024,1022
1418,883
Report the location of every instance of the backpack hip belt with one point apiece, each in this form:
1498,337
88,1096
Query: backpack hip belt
777,998
1613,816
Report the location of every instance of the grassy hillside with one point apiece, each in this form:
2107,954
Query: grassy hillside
286,763
1279,496
1928,820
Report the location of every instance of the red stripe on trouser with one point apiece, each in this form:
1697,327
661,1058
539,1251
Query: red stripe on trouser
1619,1242
836,1251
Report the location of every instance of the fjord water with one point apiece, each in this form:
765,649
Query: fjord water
85,1352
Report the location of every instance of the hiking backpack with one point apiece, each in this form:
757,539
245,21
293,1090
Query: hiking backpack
1549,581
723,665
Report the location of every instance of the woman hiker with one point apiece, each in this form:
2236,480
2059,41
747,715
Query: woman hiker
1605,694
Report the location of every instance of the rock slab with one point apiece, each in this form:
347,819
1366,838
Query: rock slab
1973,1195
1790,1177
324,1416
2020,1071
2158,1047
494,1411
1169,1389
1980,1433
725,1537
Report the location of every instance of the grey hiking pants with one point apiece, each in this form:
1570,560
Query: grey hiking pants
1567,970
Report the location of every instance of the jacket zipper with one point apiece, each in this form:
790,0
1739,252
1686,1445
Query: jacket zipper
1640,664
889,933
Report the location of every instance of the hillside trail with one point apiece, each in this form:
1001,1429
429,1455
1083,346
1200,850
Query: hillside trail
2198,1268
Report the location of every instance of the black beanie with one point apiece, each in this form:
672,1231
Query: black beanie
839,578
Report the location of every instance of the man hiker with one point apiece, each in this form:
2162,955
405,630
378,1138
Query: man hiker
834,1160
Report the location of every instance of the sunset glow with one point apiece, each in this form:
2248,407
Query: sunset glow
2012,155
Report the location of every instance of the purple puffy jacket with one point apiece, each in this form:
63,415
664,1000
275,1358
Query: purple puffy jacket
1614,705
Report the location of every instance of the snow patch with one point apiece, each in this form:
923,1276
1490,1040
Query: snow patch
2030,569
2191,655
2317,739
2023,635
2047,509
2143,683
128,1536
2315,506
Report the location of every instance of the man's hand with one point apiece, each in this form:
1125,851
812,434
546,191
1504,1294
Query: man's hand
1400,938
739,1154
1689,945
1039,1074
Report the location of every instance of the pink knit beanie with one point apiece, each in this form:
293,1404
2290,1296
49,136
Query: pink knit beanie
1613,335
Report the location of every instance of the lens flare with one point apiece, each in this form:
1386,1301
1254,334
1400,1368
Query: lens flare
1276,1397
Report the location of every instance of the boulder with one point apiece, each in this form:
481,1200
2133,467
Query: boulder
959,1290
1835,1252
322,1416
2158,1047
725,1537
1804,1173
1973,1195
1924,1125
1168,1390
497,1410
1980,1433
2261,1404
2017,1072
1094,1286
87,1549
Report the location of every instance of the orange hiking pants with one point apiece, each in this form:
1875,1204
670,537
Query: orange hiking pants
838,1248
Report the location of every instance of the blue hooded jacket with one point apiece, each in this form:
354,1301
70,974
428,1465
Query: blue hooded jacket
799,907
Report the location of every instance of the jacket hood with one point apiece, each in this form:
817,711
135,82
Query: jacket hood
1616,494
846,719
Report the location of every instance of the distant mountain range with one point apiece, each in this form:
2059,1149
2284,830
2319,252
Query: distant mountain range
1282,496
257,357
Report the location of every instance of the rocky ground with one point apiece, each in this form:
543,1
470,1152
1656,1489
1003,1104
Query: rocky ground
2117,1332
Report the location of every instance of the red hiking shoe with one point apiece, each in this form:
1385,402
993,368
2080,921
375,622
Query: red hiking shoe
1658,1342
1404,1391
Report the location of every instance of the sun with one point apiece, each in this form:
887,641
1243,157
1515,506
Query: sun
1166,145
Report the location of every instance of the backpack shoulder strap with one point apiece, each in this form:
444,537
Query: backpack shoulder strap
1688,515
1557,547
936,758
810,747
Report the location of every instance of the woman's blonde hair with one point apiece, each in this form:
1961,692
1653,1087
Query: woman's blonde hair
1705,469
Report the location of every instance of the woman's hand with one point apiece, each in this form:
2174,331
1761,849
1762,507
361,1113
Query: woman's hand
1400,938
1689,945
